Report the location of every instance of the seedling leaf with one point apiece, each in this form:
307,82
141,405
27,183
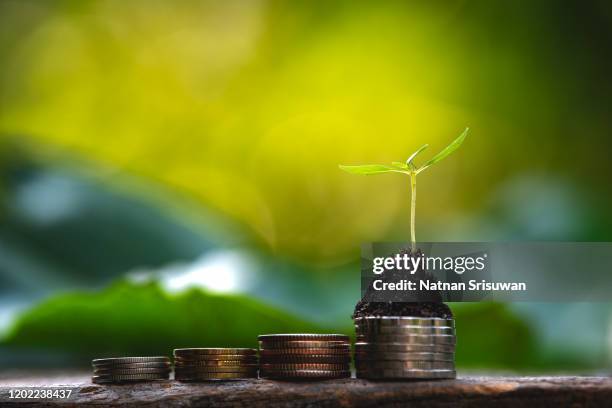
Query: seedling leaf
446,151
400,165
414,155
369,169
411,169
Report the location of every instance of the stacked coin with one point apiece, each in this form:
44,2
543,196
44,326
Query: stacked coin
210,364
405,348
304,356
130,369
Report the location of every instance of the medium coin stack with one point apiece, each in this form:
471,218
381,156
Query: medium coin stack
304,356
213,364
405,348
130,369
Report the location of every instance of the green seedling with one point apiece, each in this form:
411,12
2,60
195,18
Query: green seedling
410,168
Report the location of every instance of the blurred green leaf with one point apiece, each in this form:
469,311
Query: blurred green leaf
400,165
511,344
369,169
446,151
130,318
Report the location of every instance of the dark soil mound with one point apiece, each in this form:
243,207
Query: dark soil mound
422,309
417,309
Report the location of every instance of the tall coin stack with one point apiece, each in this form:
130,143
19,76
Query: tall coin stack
130,369
304,356
210,364
405,348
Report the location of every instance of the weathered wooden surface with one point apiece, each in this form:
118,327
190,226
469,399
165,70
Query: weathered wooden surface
472,391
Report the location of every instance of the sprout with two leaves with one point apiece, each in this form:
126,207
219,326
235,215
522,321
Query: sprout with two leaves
410,168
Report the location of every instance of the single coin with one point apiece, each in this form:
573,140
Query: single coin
213,369
412,356
99,379
405,374
197,356
203,369
306,351
132,371
278,374
367,347
215,363
316,359
126,360
275,345
214,376
302,337
204,363
125,366
405,330
303,366
409,339
214,350
374,325
217,357
403,320
405,365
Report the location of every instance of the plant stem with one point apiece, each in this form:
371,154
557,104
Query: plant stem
412,211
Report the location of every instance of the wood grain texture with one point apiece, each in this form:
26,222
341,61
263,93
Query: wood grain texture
472,391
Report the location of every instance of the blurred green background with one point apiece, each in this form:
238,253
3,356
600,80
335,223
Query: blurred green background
168,170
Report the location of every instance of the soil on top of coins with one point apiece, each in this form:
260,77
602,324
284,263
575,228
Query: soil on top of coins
364,308
416,309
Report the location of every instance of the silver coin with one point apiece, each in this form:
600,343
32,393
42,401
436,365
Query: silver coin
111,372
405,320
404,365
405,330
373,324
99,379
127,360
406,374
413,356
125,366
365,346
409,339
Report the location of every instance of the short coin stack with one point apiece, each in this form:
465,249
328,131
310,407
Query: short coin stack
130,369
304,356
213,364
405,348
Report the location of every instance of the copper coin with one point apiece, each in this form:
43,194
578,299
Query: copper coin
316,359
283,374
303,337
215,376
306,351
303,366
266,345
